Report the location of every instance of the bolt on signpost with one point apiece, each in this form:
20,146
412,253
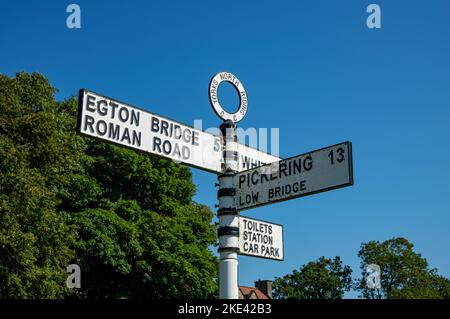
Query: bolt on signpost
269,181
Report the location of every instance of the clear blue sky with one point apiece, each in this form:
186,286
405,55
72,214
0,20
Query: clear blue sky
311,68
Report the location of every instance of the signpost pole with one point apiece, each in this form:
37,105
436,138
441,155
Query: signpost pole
228,215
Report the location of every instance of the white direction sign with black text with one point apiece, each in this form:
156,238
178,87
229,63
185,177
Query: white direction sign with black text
120,123
318,171
259,238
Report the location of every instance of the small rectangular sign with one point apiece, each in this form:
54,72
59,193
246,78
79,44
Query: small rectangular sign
318,171
259,238
120,123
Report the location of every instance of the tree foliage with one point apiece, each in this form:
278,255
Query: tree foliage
404,273
321,279
127,219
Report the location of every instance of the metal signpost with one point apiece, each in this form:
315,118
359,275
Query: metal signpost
247,177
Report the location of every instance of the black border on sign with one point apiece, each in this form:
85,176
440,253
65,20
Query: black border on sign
80,111
350,173
264,221
350,161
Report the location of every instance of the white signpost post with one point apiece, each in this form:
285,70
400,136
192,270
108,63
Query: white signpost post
259,238
243,182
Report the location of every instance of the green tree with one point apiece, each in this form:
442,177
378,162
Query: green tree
127,219
321,279
404,273
34,239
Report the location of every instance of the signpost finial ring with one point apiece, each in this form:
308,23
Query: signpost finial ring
214,97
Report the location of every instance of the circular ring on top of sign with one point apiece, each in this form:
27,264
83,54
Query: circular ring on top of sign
214,97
